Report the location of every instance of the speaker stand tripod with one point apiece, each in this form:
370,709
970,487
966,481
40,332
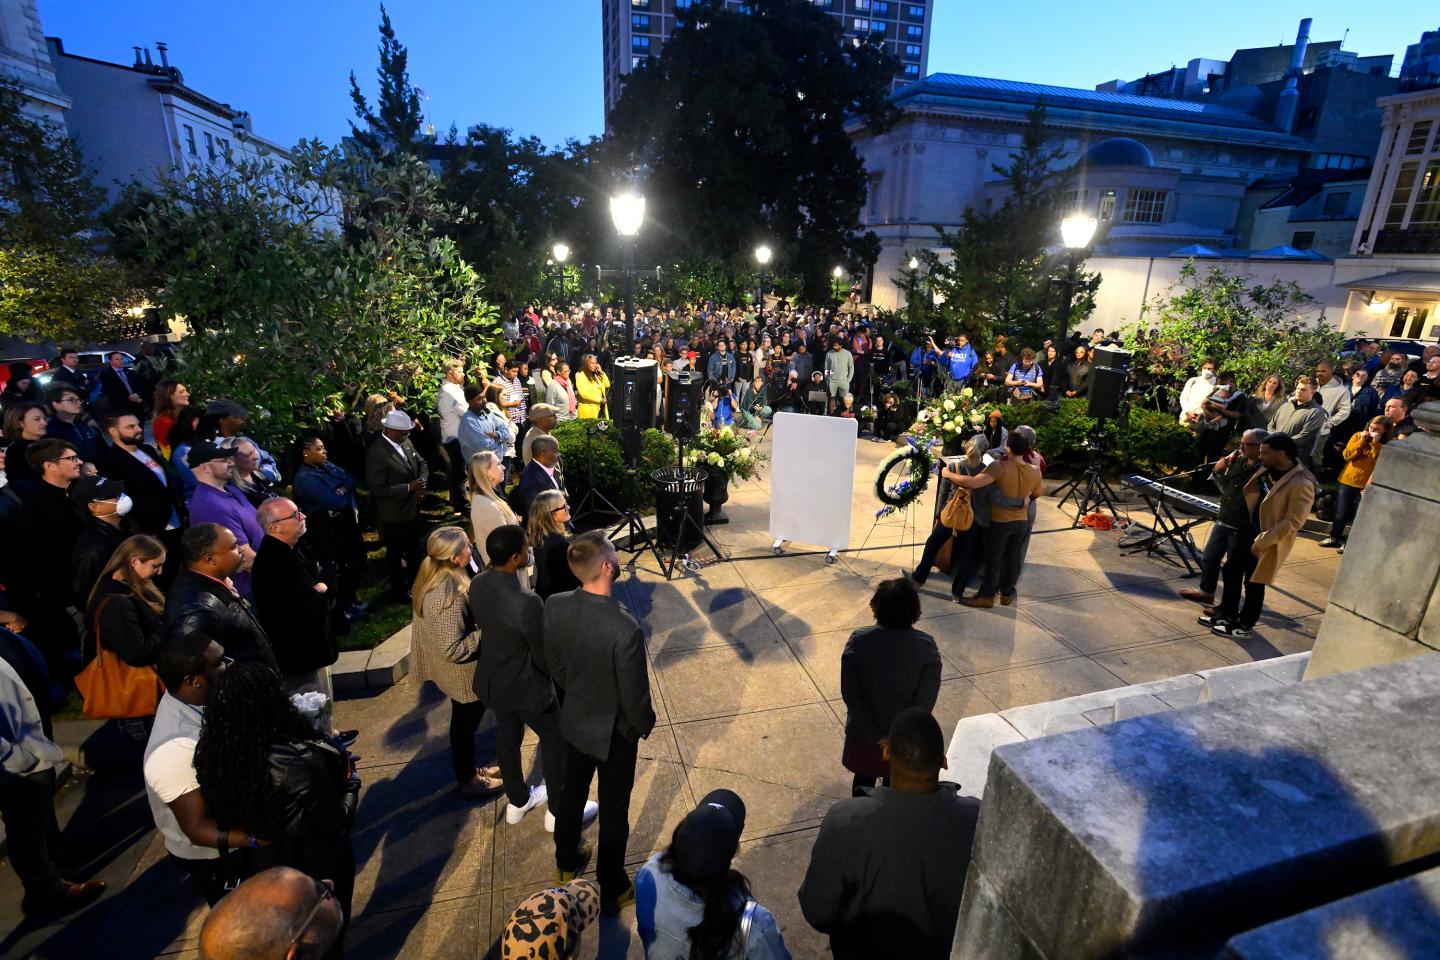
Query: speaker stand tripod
594,501
1096,495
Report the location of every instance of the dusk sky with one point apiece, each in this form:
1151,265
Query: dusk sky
534,65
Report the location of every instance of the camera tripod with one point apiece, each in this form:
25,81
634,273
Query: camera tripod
1097,493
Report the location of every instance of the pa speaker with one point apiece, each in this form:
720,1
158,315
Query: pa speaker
632,393
1111,357
687,398
1107,386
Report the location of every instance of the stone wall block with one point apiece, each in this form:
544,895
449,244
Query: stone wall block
1392,532
986,930
1349,642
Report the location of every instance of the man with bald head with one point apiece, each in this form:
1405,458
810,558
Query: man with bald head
278,914
291,599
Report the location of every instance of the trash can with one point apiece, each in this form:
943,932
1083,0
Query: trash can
679,491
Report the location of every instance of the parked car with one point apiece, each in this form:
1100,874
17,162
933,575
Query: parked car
1413,348
36,365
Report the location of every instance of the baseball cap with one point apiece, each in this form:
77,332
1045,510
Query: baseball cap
225,408
205,451
706,840
549,923
398,420
87,490
542,410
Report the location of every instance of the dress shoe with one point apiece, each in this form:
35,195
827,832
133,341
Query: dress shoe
1199,596
977,601
347,737
1210,611
70,897
481,787
1006,601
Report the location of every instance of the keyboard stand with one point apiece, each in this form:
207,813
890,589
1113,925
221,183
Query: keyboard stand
1168,529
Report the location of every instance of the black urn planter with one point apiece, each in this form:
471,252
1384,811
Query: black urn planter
717,491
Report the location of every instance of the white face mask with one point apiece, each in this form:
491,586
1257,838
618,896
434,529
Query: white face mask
123,505
1208,375
529,557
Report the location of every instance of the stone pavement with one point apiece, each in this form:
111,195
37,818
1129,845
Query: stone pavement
744,659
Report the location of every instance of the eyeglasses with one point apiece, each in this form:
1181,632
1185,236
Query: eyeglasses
561,509
68,400
324,891
297,515
73,458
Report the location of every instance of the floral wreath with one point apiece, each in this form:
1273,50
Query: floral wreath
898,488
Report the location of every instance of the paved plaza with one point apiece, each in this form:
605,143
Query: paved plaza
745,667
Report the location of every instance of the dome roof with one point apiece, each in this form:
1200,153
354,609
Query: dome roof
1120,152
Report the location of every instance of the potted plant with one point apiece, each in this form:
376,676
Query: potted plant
724,454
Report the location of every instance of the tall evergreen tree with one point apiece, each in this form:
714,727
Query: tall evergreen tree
395,126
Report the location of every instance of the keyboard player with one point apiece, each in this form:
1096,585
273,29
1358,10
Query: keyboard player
1230,474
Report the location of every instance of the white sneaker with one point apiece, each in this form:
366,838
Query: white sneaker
514,814
592,809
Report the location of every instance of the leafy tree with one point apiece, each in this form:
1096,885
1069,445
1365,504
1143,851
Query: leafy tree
395,125
1251,329
997,279
303,321
739,125
56,281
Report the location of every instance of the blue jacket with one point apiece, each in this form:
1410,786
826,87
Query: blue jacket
920,358
487,431
721,369
962,361
318,488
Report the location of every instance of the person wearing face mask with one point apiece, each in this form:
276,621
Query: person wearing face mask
105,507
1301,418
1196,391
596,653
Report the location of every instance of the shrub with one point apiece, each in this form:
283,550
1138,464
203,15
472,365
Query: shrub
612,475
1152,442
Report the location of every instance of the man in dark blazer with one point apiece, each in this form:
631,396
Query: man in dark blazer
596,653
540,474
291,600
510,676
120,388
149,479
396,476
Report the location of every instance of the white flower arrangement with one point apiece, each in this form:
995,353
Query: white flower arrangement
315,707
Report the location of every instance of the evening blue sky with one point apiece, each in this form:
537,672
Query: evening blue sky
534,65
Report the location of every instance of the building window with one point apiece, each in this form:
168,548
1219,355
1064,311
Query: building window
636,62
1419,135
1107,206
912,50
1409,322
880,8
912,71
682,4
861,26
1336,204
917,10
827,4
1145,206
640,4
210,146
915,31
225,149
862,5
640,44
190,140
1400,199
640,21
1427,199
1303,239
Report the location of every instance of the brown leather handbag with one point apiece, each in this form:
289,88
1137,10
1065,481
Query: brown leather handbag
959,513
114,690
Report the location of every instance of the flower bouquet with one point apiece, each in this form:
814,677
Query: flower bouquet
315,707
951,417
730,451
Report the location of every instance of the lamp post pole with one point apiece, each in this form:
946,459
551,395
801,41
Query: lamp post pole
763,253
1077,230
629,246
560,253
627,210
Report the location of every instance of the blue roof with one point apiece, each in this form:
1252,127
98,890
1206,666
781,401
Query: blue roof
986,88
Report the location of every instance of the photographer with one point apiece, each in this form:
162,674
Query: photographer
924,362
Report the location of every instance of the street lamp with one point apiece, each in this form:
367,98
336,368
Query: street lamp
559,253
627,210
1077,230
763,253
836,275
914,263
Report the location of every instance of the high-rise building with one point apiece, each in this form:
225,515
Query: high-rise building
636,30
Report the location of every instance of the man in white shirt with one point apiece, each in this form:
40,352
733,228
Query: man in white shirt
1197,390
450,404
188,666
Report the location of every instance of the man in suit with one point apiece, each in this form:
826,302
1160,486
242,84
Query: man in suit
119,389
66,370
510,676
159,508
596,653
541,474
396,476
291,601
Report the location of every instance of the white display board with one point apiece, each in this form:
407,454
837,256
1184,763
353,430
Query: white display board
812,479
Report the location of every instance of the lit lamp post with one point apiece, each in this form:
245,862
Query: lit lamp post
763,253
836,276
627,210
1077,230
559,254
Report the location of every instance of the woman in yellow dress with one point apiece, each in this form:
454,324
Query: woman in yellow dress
592,388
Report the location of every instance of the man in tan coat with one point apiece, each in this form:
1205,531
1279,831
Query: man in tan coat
1279,497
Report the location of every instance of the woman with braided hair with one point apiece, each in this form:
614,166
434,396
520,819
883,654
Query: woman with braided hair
263,769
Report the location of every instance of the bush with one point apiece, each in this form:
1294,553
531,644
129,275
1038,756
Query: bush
624,487
1153,443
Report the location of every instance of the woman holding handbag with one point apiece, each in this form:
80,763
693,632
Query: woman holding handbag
446,648
124,619
964,553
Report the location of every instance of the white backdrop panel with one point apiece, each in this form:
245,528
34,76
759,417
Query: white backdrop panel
812,479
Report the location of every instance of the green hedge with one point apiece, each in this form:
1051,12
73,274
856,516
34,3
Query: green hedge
612,475
1152,443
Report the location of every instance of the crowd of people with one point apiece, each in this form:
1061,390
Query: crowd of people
167,545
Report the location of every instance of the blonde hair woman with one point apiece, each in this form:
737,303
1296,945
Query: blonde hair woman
446,650
551,540
488,509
